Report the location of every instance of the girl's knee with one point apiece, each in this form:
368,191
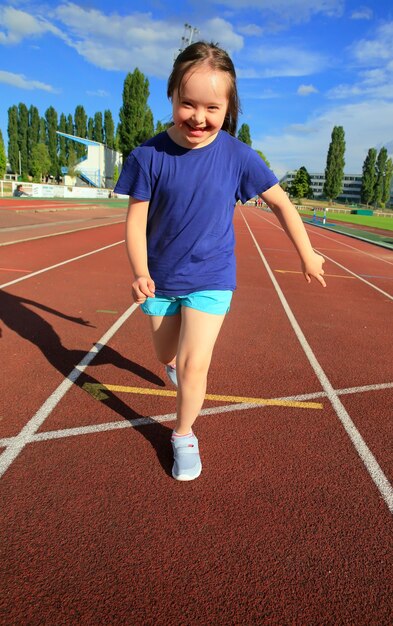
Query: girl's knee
194,367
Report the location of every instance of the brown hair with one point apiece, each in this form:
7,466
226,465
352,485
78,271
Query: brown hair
197,54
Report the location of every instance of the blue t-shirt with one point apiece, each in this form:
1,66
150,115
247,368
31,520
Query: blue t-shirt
192,195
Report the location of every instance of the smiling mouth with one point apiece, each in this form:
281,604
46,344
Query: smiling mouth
196,128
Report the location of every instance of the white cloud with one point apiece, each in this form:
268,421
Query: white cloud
307,144
121,42
374,51
305,90
289,10
272,61
220,30
17,25
114,42
374,60
260,94
250,30
118,42
100,93
362,89
362,13
21,82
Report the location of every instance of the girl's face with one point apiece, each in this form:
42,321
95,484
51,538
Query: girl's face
199,109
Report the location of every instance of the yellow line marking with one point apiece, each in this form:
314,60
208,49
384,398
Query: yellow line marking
325,275
95,390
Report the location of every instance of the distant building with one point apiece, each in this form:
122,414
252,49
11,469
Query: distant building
96,169
352,185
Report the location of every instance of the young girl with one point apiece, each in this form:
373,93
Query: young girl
183,186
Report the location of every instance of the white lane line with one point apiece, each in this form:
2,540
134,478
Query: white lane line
357,276
79,221
52,267
374,256
375,471
99,428
338,264
349,390
314,230
64,232
332,238
133,423
24,437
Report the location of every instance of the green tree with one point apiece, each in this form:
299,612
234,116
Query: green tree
43,137
13,148
80,119
301,184
109,130
72,159
132,127
117,138
70,145
162,126
115,175
263,157
51,128
72,163
369,177
23,125
69,125
244,134
387,182
62,141
3,158
90,128
382,160
334,172
148,127
98,129
33,132
41,162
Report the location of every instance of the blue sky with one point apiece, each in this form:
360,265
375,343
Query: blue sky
303,66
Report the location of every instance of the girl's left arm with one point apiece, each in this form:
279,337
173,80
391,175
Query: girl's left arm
290,220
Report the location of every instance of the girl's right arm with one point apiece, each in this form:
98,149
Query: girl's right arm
143,286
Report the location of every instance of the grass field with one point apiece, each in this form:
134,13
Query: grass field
373,221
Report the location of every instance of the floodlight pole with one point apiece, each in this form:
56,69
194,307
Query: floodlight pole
186,40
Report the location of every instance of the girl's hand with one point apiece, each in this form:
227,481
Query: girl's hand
142,288
312,267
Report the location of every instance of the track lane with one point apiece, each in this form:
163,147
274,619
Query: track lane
283,519
42,220
51,320
23,257
351,348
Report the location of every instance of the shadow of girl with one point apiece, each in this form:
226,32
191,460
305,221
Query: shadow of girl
16,313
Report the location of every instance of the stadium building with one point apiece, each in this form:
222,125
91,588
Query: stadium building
96,169
352,185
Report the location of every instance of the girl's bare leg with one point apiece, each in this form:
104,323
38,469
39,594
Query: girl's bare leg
198,334
166,332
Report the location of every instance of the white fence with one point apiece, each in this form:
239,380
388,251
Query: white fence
377,213
36,190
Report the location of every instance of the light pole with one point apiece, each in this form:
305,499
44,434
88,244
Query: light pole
186,40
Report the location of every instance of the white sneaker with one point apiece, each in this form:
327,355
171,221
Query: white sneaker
187,462
171,372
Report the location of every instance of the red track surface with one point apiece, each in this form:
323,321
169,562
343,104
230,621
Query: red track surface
289,522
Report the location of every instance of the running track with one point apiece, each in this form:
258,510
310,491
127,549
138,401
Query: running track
290,521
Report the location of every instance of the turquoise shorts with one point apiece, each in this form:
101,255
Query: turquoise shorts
212,301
